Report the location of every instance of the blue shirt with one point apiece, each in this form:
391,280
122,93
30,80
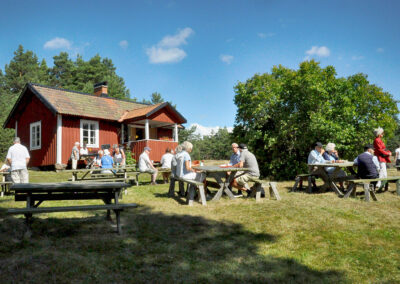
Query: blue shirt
186,157
315,157
235,158
107,162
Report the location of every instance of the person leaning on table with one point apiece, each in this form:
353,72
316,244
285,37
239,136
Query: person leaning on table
106,162
18,157
146,166
367,163
247,160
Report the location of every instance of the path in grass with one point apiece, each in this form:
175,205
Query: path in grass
302,238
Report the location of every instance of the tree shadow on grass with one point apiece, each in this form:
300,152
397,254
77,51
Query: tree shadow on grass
154,247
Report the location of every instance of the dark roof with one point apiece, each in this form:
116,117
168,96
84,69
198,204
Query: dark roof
81,104
68,102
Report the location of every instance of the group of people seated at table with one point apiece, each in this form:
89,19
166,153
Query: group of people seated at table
104,159
371,163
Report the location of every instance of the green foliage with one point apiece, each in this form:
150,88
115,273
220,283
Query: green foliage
280,115
213,147
129,160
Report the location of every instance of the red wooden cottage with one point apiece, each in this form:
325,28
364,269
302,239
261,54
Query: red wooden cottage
50,120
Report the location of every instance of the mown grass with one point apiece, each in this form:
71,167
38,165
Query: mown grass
304,238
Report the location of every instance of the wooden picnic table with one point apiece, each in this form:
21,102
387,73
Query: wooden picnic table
219,174
34,194
330,180
117,173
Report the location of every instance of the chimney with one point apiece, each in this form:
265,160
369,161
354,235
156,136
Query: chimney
100,89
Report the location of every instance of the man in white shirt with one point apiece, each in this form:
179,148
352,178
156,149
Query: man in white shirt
18,157
146,166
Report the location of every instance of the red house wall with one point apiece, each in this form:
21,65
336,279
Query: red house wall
157,148
164,116
108,134
33,110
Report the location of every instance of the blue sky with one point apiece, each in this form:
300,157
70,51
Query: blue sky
195,52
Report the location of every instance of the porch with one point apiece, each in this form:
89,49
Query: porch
158,148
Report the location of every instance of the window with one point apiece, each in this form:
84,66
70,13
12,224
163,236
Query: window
90,133
36,135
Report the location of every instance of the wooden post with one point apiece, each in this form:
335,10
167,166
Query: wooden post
176,132
59,139
273,190
366,191
398,187
146,130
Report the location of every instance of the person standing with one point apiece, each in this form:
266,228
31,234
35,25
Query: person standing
397,159
382,153
75,156
146,166
18,157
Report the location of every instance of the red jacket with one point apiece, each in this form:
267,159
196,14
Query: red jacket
380,151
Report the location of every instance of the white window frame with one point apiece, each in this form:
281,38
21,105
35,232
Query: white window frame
96,128
31,127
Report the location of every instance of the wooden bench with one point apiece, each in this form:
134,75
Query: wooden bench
369,187
192,186
298,182
36,193
259,184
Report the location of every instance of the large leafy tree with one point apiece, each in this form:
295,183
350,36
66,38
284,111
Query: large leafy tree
281,114
216,146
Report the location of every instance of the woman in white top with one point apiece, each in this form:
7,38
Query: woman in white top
166,161
119,156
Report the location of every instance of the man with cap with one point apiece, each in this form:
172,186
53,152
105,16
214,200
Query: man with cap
247,160
146,166
368,165
316,155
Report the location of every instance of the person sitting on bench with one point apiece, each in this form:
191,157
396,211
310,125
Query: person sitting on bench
146,166
247,160
106,162
368,165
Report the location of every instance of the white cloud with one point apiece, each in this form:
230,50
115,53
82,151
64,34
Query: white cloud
380,50
165,55
320,51
265,35
58,43
168,49
176,40
226,58
207,130
124,44
357,57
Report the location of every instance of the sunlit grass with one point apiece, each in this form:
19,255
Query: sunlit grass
304,238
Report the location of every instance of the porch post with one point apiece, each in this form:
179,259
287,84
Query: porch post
146,130
16,128
59,138
176,132
122,134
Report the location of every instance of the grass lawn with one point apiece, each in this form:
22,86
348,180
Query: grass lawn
304,238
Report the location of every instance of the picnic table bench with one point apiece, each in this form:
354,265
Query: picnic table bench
160,170
368,186
94,174
318,170
34,194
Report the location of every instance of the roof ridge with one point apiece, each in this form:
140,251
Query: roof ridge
87,94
